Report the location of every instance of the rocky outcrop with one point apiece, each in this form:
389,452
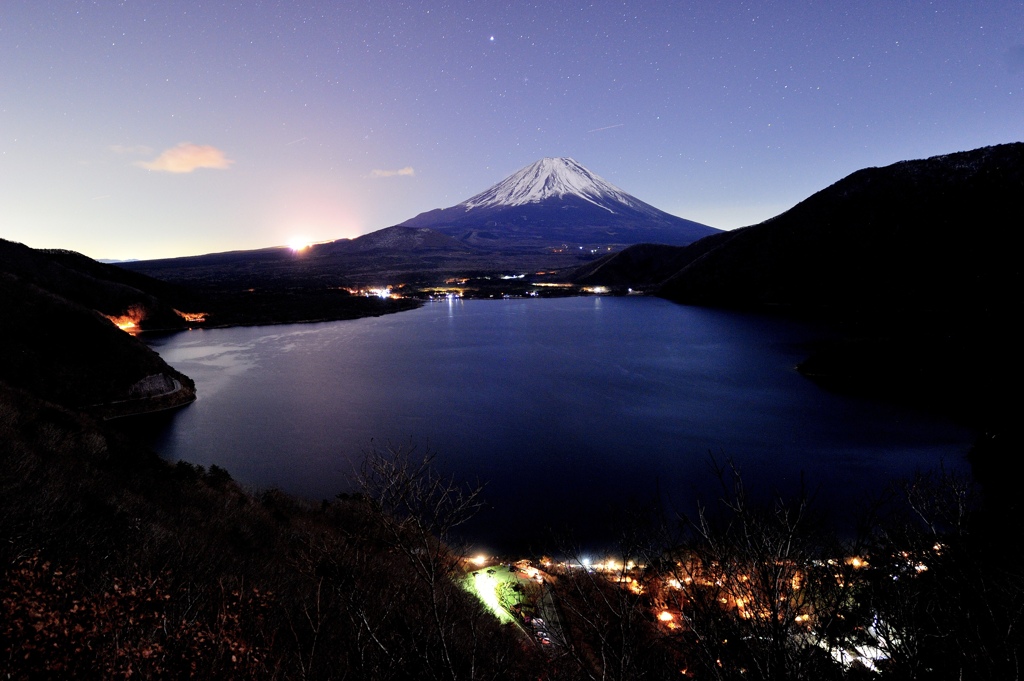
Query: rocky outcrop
157,392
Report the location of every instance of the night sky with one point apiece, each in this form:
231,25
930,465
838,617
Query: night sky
146,129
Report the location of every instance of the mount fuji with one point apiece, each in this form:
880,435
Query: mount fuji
556,201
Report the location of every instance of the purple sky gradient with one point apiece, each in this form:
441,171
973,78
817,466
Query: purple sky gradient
144,129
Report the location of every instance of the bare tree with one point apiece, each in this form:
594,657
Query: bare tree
416,510
416,502
757,589
609,622
947,586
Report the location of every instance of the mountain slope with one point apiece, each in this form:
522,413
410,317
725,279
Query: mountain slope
56,344
645,266
396,239
557,201
912,238
108,289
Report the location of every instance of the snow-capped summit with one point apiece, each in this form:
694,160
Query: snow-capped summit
556,201
553,178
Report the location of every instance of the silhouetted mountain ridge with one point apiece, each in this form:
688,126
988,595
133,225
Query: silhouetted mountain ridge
397,239
915,238
105,288
57,345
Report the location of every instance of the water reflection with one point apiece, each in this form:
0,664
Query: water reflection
568,407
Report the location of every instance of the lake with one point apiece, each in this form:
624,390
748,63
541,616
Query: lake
572,410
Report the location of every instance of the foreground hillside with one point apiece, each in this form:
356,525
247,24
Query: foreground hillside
115,564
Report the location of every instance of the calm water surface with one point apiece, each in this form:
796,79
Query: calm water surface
571,410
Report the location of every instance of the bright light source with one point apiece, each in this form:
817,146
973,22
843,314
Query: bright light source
666,616
298,243
479,560
130,320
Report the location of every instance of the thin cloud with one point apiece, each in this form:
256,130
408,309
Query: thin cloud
407,171
187,157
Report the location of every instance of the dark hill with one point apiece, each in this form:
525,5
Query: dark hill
56,345
644,265
914,239
108,289
394,256
396,239
279,285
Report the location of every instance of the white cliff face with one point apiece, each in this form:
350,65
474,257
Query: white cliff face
554,178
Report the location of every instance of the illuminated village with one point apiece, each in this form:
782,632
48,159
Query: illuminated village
689,604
